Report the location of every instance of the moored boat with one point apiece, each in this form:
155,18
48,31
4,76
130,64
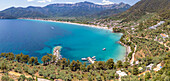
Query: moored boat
93,57
104,49
83,59
52,28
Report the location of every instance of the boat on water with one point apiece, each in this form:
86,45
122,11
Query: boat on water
84,59
104,49
90,60
93,57
52,28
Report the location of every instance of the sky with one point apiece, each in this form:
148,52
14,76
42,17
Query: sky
24,3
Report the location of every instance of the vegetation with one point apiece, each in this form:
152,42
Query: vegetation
144,7
76,70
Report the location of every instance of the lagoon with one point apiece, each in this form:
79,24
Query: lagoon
37,38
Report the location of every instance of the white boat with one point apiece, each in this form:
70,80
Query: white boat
52,28
90,60
83,59
93,57
104,49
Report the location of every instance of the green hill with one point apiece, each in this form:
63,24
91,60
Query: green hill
143,7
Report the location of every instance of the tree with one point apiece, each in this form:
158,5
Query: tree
68,62
78,64
147,76
31,61
110,64
30,79
10,56
43,59
22,78
73,66
3,54
80,77
54,58
167,78
18,57
64,63
6,78
4,66
46,59
53,76
30,71
99,78
36,61
83,67
25,58
119,64
89,68
126,64
135,70
100,65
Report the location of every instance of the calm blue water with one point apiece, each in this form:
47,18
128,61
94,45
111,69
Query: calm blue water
37,38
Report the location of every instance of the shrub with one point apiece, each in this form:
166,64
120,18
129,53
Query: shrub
5,78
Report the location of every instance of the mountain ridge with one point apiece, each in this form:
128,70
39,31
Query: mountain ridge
61,10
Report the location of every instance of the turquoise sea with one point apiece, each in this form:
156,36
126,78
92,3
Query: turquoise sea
37,38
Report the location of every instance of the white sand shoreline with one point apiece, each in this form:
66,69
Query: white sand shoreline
87,25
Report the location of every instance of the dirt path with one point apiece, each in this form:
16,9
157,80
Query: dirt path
18,74
143,73
41,79
133,56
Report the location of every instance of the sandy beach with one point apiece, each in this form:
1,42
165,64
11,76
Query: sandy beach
128,48
87,25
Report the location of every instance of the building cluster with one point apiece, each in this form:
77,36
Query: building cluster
158,24
164,35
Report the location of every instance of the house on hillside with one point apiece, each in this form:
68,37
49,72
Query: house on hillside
150,66
121,73
158,24
164,35
158,67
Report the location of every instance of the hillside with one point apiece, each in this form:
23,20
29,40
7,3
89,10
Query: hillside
144,7
61,10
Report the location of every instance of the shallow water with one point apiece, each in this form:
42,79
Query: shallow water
37,38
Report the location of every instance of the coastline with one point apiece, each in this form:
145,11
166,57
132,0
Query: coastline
128,49
87,25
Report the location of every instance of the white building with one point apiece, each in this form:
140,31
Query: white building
158,24
158,67
164,35
121,73
150,66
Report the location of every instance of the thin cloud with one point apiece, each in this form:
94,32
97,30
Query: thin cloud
30,0
44,1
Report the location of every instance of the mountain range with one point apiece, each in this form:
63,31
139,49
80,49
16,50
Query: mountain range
64,10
